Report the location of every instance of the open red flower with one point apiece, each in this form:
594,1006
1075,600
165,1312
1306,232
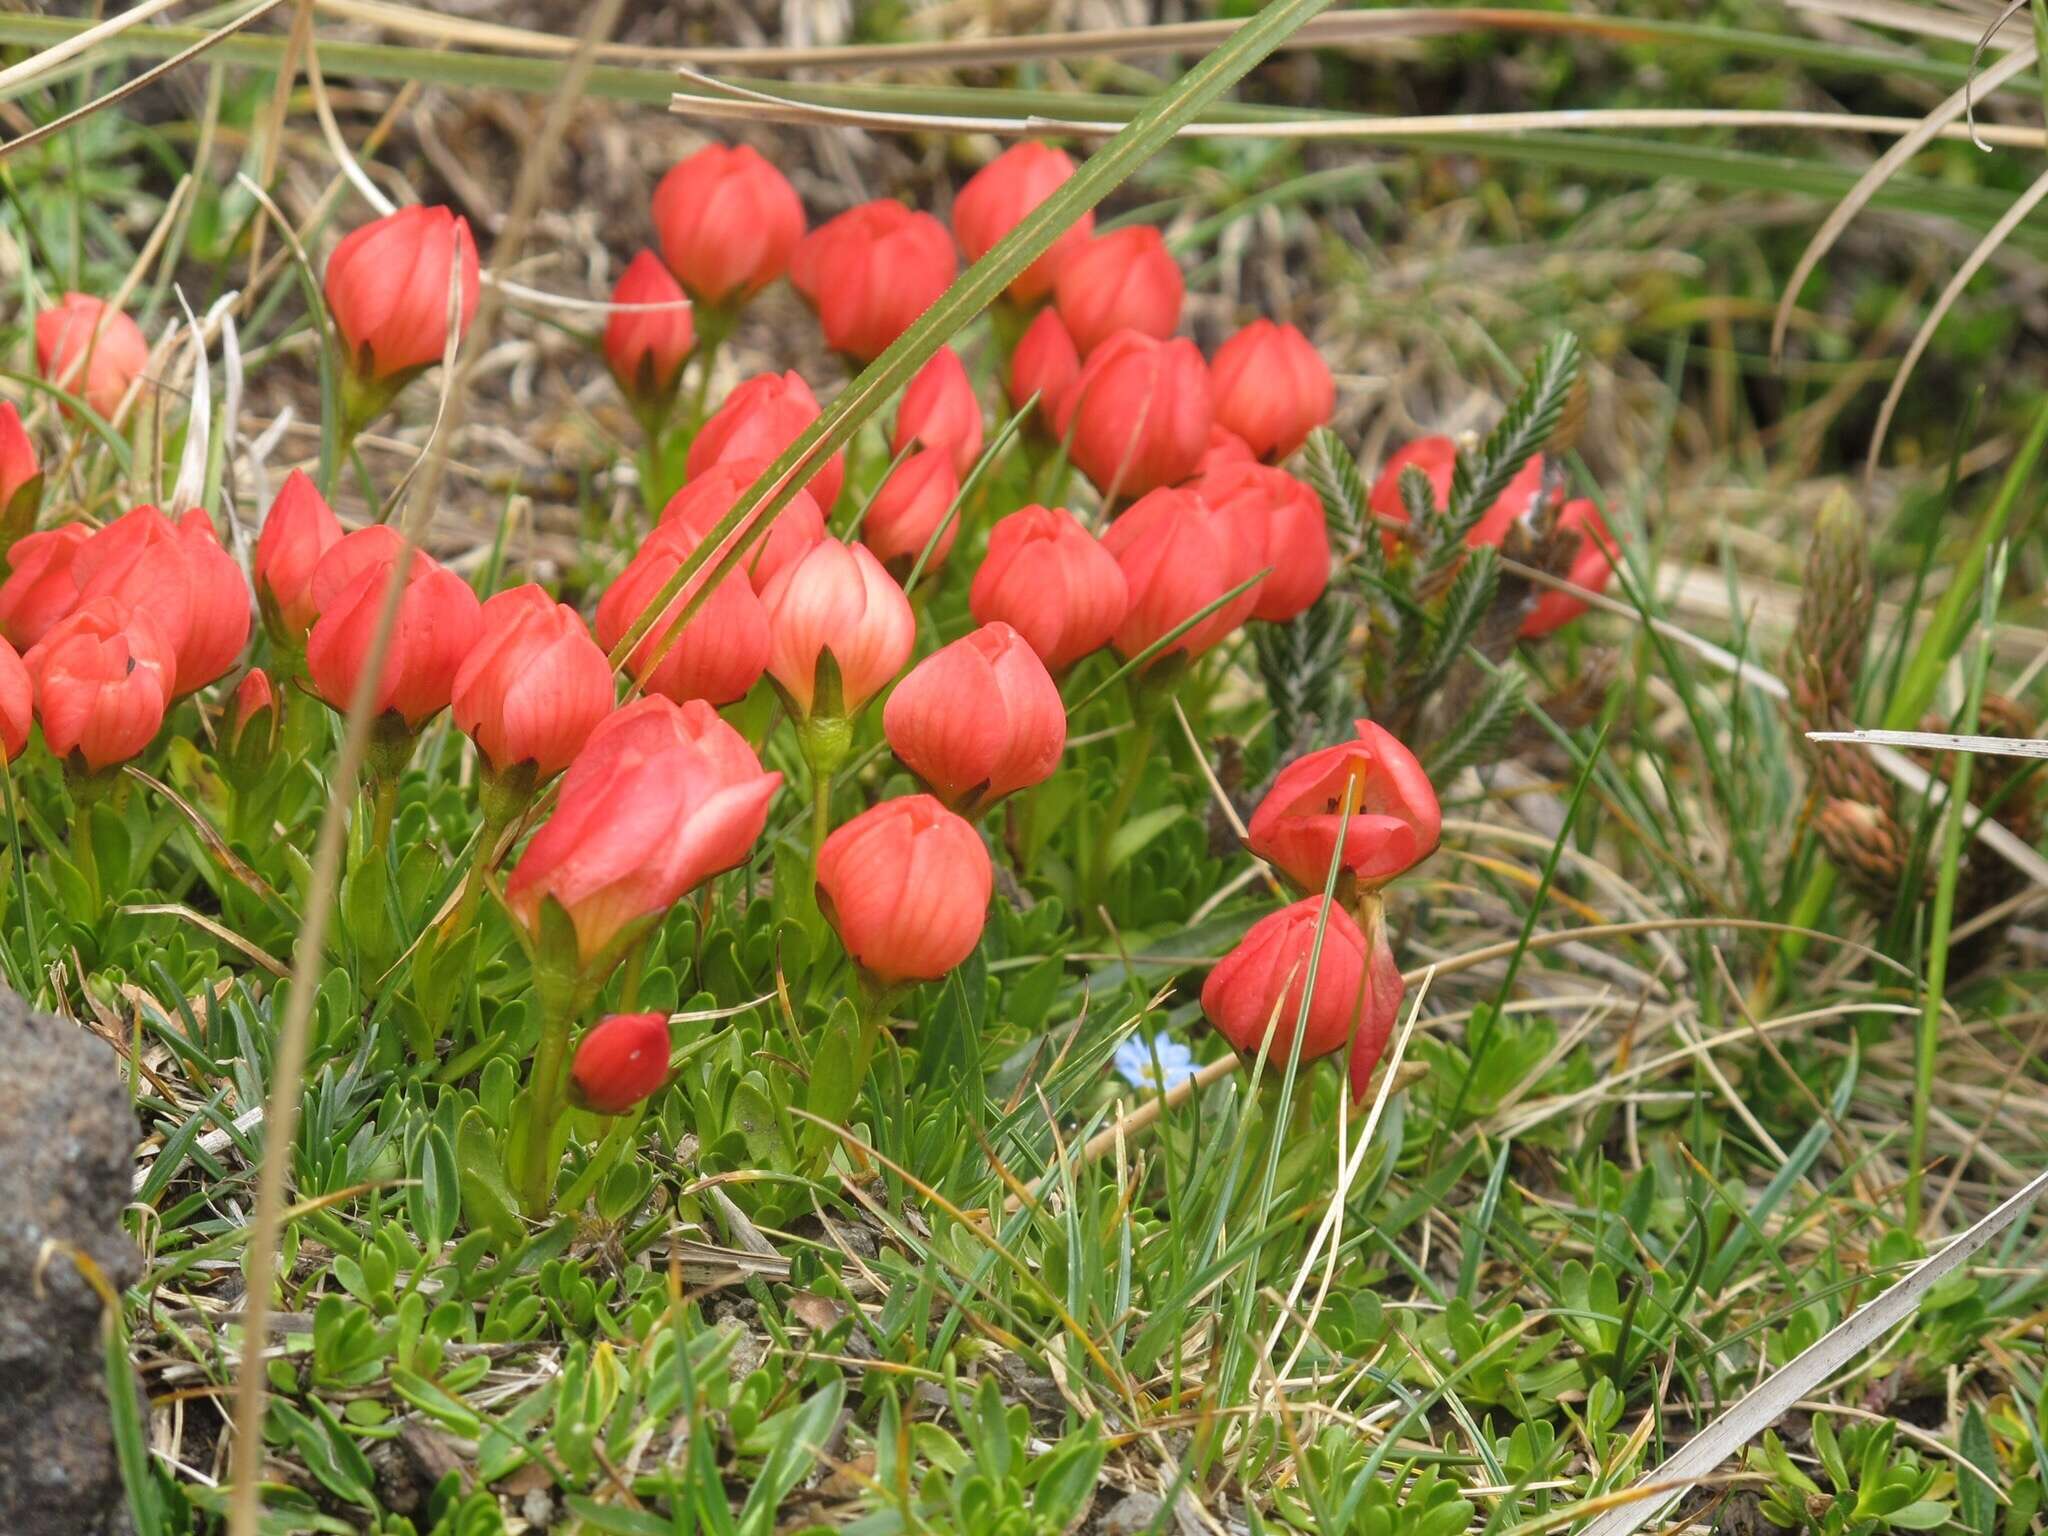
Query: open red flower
1394,825
906,884
533,687
102,681
1437,458
1052,581
40,588
978,719
870,272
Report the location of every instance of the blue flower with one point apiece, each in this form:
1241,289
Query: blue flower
1161,1062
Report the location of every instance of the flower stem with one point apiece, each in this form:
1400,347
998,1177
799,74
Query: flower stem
546,1098
821,813
1135,756
84,858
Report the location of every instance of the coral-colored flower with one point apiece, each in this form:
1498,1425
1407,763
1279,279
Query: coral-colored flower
533,687
719,653
1225,447
298,531
1051,580
18,468
906,884
90,349
254,709
1437,458
178,572
661,798
621,1059
1591,567
1271,387
757,421
1284,519
1046,364
219,624
870,272
1259,986
939,411
1137,417
995,201
40,588
17,702
1178,555
1126,280
438,623
727,222
1394,825
102,679
911,506
646,347
387,288
978,719
836,601
702,504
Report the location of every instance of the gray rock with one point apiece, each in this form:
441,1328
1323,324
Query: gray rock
67,1144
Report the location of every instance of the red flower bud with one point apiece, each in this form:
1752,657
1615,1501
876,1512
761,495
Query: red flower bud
646,347
102,680
1044,364
995,201
299,529
702,504
909,507
1178,555
1137,417
40,588
906,885
727,221
1284,520
387,288
438,622
1395,822
219,625
189,585
1271,387
836,600
1051,580
1437,457
533,687
1259,985
978,719
17,702
90,349
722,649
1126,280
254,709
939,411
872,271
19,473
1590,568
757,421
660,799
621,1059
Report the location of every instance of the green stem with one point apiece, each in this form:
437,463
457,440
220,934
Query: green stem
83,856
1136,752
821,812
383,811
546,1098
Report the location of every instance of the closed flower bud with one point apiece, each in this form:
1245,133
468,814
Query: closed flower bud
702,504
534,686
438,623
646,347
1284,520
1437,458
1179,555
1126,280
939,411
1046,364
102,681
978,719
661,798
219,624
387,289
995,201
621,1059
298,531
912,505
872,271
906,885
1394,824
17,702
21,479
40,588
252,720
88,348
727,221
757,421
1271,387
1260,984
1137,417
720,652
1591,567
1051,581
838,602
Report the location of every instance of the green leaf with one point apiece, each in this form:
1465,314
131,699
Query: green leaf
1978,1504
1130,838
1925,1515
1484,727
480,1175
804,1432
1484,473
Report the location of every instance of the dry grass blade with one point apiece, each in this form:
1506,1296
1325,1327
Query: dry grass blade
1886,165
1939,741
37,65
